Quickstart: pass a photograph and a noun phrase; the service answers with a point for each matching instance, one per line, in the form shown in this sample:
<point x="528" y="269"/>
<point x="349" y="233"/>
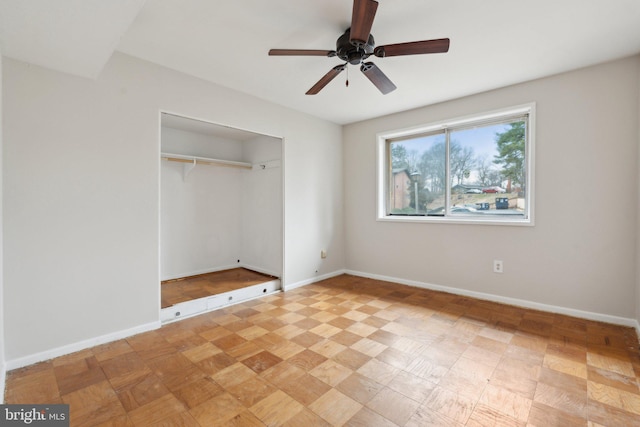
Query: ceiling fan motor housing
<point x="351" y="53"/>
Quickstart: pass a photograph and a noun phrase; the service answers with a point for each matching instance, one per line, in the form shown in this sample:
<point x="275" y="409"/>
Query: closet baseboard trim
<point x="259" y="270"/>
<point x="78" y="346"/>
<point x="199" y="272"/>
<point x="312" y="280"/>
<point x="223" y="268"/>
<point x="598" y="317"/>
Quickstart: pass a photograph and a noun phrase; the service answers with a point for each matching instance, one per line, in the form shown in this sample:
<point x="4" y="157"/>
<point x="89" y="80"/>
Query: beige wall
<point x="581" y="253"/>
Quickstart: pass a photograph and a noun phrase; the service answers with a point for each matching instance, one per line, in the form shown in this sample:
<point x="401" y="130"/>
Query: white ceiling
<point x="73" y="36"/>
<point x="494" y="43"/>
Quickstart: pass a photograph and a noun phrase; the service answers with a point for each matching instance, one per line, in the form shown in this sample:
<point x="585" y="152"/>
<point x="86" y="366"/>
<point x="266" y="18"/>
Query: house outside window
<point x="475" y="169"/>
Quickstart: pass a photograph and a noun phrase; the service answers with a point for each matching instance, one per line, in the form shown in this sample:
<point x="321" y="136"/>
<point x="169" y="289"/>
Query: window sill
<point x="493" y="220"/>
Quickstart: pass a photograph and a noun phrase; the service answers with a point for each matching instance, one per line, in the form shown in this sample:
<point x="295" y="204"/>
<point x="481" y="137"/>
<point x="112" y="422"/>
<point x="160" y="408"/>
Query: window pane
<point x="418" y="178"/>
<point x="487" y="170"/>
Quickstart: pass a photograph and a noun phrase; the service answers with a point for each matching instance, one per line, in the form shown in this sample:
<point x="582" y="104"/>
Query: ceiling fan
<point x="357" y="44"/>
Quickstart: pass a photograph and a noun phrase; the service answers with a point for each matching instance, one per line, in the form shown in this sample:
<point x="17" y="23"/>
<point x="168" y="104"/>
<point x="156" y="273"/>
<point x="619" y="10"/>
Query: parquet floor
<point x="352" y="351"/>
<point x="204" y="285"/>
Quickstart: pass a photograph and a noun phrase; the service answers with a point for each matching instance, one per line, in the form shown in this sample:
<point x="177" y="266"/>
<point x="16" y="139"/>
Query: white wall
<point x="261" y="212"/>
<point x="2" y="353"/>
<point x="581" y="253"/>
<point x="200" y="215"/>
<point x="82" y="178"/>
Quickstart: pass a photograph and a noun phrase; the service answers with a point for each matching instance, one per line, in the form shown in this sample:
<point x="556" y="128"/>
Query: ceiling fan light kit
<point x="357" y="44"/>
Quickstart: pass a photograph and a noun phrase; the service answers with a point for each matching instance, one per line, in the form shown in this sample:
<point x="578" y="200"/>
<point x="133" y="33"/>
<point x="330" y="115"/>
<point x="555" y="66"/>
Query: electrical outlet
<point x="323" y="254"/>
<point x="498" y="266"/>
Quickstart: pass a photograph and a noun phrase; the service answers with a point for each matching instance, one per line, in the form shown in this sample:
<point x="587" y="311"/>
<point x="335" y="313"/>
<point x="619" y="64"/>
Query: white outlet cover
<point x="498" y="266"/>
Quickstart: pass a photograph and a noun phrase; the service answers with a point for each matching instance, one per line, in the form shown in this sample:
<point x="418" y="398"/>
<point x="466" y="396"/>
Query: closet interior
<point x="221" y="216"/>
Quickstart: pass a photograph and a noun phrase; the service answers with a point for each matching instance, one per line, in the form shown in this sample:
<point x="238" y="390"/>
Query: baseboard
<point x="312" y="280"/>
<point x="215" y="269"/>
<point x="259" y="270"/>
<point x="78" y="346"/>
<point x="599" y="317"/>
<point x="637" y="326"/>
<point x="198" y="272"/>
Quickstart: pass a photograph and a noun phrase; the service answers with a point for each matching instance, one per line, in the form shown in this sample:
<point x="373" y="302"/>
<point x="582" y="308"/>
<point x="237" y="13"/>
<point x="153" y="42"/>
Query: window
<point x="476" y="169"/>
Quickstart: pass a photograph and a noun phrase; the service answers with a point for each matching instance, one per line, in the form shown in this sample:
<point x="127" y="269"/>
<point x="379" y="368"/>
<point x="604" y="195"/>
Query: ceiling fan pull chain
<point x="347" y="82"/>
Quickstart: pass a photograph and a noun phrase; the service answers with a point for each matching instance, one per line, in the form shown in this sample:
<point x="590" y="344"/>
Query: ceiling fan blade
<point x="326" y="79"/>
<point x="364" y="11"/>
<point x="377" y="77"/>
<point x="301" y="52"/>
<point x="413" y="48"/>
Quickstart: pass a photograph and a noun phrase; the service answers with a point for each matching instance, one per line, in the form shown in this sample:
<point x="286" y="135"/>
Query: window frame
<point x="384" y="167"/>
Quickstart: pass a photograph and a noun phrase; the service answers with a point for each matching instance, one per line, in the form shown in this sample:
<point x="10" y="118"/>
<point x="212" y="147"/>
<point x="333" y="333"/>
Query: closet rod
<point x="204" y="161"/>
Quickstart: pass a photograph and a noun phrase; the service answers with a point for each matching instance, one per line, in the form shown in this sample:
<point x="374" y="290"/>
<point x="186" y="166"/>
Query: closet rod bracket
<point x="187" y="168"/>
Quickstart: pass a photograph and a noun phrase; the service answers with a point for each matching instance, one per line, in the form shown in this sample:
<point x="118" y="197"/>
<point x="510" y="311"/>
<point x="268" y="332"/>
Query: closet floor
<point x="204" y="285"/>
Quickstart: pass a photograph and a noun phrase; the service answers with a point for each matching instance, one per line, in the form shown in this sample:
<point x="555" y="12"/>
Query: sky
<point x="481" y="139"/>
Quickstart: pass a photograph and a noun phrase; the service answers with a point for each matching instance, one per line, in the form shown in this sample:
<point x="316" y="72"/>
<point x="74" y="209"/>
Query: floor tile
<point x="566" y="366"/>
<point x="37" y="387"/>
<point x="543" y="415"/>
<point x="450" y="404"/>
<point x="201" y="352"/>
<point x="393" y="406"/>
<point x="360" y="388"/>
<point x="609" y="415"/>
<point x="367" y="418"/>
<point x="276" y="409"/>
<point x="331" y="372"/>
<point x="175" y="370"/>
<point x="251" y="391"/>
<point x="484" y="416"/>
<point x="218" y="410"/>
<point x="261" y="361"/>
<point x="306" y="417"/>
<point x="411" y="386"/>
<point x="427" y="369"/>
<point x="306" y="389"/>
<point x="564" y="400"/>
<point x="335" y="407"/>
<point x="216" y="363"/>
<point x="327" y="348"/>
<point x="507" y="403"/>
<point x="427" y="417"/>
<point x="93" y="405"/>
<point x="144" y="390"/>
<point x="612" y="379"/>
<point x="110" y="350"/>
<point x="232" y="375"/>
<point x="629" y="402"/>
<point x="195" y="393"/>
<point x="157" y="411"/>
<point x="306" y="359"/>
<point x="351" y="358"/>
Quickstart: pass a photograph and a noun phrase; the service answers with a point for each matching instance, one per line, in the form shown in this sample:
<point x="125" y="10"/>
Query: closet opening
<point x="221" y="216"/>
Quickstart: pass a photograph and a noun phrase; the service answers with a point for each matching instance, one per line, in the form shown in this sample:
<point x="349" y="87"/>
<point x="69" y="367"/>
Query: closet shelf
<point x="195" y="160"/>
